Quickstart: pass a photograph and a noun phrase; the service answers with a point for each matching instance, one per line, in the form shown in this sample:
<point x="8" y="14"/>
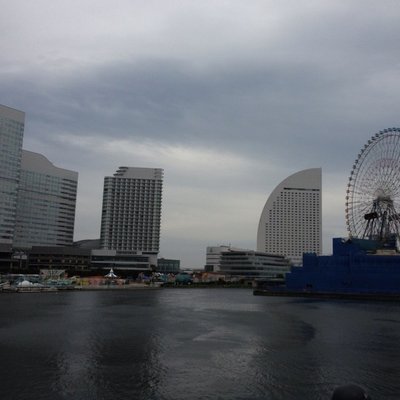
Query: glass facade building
<point x="46" y="203"/>
<point x="168" y="266"/>
<point x="131" y="213"/>
<point x="12" y="124"/>
<point x="122" y="264"/>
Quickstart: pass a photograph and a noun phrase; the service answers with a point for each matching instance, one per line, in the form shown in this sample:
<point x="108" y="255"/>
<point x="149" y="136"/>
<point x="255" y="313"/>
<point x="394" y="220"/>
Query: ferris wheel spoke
<point x="394" y="175"/>
<point x="374" y="187"/>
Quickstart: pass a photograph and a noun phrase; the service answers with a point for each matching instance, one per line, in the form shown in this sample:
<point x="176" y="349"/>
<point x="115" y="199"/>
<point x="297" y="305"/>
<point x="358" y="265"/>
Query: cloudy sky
<point x="229" y="97"/>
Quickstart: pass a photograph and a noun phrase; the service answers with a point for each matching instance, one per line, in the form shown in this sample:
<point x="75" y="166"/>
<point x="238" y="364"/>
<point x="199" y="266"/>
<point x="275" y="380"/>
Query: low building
<point x="253" y="265"/>
<point x="75" y="261"/>
<point x="213" y="257"/>
<point x="6" y="260"/>
<point x="71" y="259"/>
<point x="168" y="266"/>
<point x="121" y="263"/>
<point x="91" y="244"/>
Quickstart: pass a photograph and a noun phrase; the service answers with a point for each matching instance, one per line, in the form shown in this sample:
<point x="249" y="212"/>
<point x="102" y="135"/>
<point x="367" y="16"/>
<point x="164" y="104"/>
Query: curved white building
<point x="290" y="223"/>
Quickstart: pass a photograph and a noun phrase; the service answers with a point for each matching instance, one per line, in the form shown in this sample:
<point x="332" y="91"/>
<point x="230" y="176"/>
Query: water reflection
<point x="77" y="373"/>
<point x="237" y="349"/>
<point x="110" y="348"/>
<point x="193" y="344"/>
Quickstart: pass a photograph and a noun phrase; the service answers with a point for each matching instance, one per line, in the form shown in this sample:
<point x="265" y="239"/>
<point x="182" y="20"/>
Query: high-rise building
<point x="131" y="215"/>
<point x="11" y="135"/>
<point x="46" y="203"/>
<point x="290" y="222"/>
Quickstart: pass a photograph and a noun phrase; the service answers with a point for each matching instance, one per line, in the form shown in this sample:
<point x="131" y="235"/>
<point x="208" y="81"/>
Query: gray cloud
<point x="260" y="90"/>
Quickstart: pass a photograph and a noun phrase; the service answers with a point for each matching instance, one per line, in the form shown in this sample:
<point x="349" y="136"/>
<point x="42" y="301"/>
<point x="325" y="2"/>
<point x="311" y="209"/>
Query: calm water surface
<point x="194" y="344"/>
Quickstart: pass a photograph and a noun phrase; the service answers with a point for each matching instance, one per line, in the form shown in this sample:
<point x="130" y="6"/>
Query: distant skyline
<point x="228" y="97"/>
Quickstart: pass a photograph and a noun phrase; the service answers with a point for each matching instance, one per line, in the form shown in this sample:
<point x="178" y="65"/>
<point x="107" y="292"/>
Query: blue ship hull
<point x="354" y="268"/>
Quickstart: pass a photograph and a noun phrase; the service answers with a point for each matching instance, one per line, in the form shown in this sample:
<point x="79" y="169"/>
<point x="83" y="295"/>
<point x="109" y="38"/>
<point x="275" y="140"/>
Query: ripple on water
<point x="193" y="344"/>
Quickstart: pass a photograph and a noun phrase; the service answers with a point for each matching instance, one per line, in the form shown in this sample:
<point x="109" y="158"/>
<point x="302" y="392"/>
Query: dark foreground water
<point x="194" y="344"/>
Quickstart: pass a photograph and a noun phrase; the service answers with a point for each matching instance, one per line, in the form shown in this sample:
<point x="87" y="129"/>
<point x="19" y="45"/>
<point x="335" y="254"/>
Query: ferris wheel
<point x="373" y="191"/>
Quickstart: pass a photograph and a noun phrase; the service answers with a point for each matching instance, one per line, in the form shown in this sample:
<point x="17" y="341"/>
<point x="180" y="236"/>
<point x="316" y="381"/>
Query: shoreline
<point x="137" y="286"/>
<point x="111" y="287"/>
<point x="329" y="295"/>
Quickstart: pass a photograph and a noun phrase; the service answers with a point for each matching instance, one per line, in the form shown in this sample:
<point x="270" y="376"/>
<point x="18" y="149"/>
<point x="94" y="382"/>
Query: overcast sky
<point x="229" y="97"/>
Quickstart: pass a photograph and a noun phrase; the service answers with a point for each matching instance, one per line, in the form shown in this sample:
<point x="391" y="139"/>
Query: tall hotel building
<point x="131" y="214"/>
<point x="46" y="203"/>
<point x="290" y="223"/>
<point x="11" y="135"/>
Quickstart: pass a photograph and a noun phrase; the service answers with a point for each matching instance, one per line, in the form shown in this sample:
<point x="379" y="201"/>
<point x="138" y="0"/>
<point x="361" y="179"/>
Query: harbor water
<point x="177" y="344"/>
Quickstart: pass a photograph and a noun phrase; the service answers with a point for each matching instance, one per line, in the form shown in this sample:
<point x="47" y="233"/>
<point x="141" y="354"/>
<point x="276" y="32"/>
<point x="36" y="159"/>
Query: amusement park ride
<point x="367" y="263"/>
<point x="373" y="191"/>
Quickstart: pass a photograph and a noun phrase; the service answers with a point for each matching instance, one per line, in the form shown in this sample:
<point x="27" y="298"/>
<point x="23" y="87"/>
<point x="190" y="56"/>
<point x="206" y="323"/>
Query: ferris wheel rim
<point x="373" y="176"/>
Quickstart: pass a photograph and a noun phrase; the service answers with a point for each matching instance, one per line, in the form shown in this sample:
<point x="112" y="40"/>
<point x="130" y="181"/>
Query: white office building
<point x="12" y="124"/>
<point x="290" y="223"/>
<point x="253" y="265"/>
<point x="213" y="257"/>
<point x="131" y="214"/>
<point x="46" y="203"/>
